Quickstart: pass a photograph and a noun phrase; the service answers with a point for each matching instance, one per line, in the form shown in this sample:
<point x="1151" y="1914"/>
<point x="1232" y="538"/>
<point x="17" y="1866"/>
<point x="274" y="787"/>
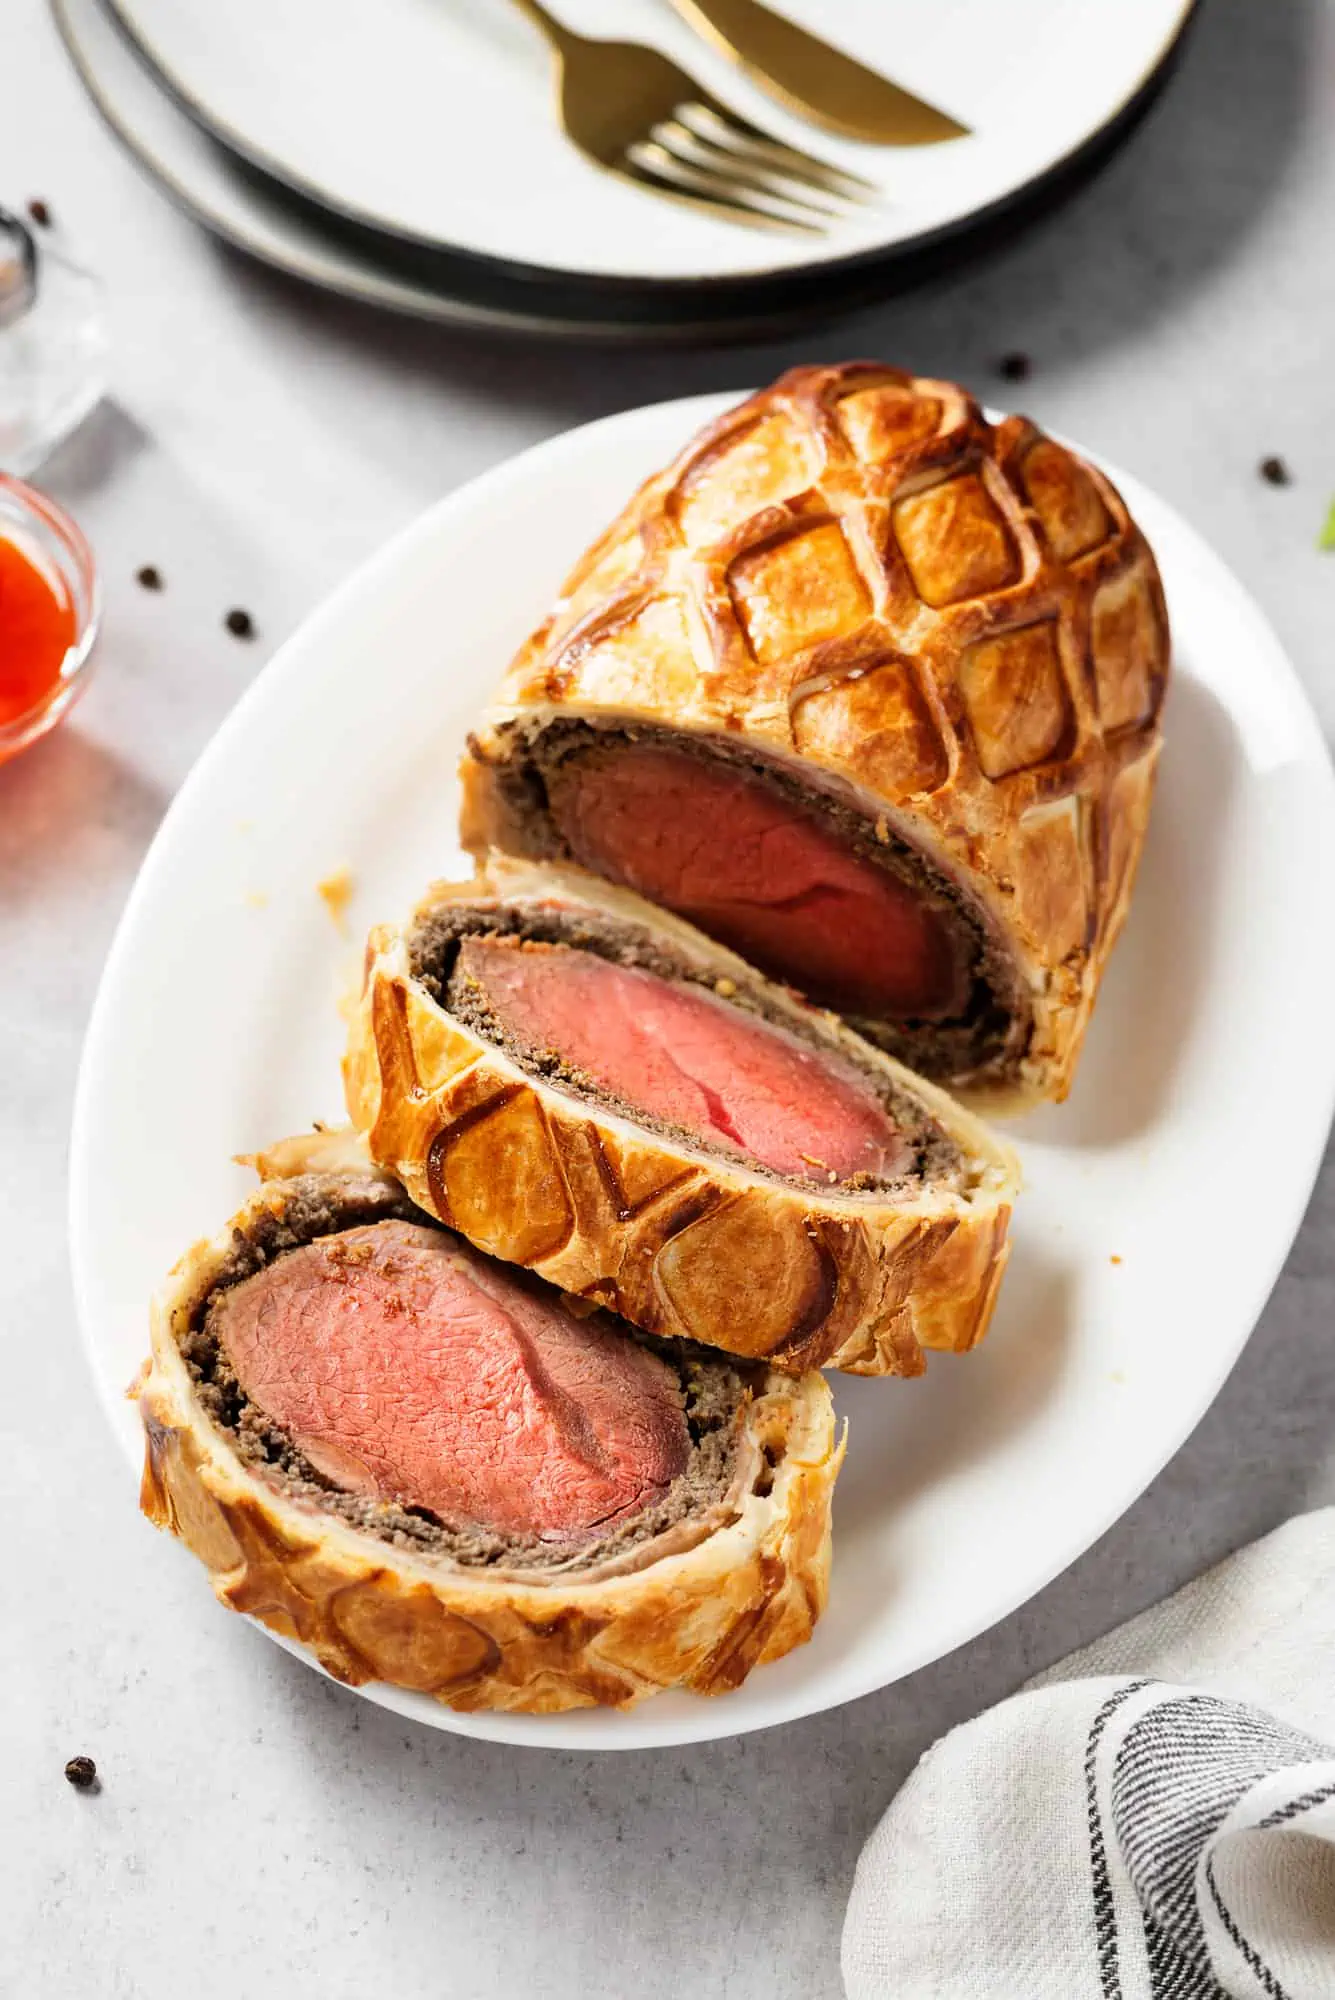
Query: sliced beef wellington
<point x="436" y="1471"/>
<point x="868" y="688"/>
<point x="587" y="1086"/>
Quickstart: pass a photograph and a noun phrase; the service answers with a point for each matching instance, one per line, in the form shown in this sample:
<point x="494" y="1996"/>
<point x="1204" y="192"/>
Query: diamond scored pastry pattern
<point x="767" y="461"/>
<point x="832" y="541"/>
<point x="879" y="422"/>
<point x="1016" y="696"/>
<point x="1126" y="644"/>
<point x="880" y="714"/>
<point x="797" y="592"/>
<point x="1065" y="499"/>
<point x="955" y="541"/>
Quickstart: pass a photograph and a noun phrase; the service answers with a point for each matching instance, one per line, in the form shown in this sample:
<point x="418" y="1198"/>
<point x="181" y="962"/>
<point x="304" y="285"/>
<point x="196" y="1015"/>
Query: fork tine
<point x="719" y="126"/>
<point x="685" y="145"/>
<point x="649" y="158"/>
<point x="736" y="137"/>
<point x="651" y="163"/>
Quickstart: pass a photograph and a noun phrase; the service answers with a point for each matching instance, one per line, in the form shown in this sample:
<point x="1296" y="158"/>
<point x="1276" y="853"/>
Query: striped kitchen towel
<point x="1154" y="1819"/>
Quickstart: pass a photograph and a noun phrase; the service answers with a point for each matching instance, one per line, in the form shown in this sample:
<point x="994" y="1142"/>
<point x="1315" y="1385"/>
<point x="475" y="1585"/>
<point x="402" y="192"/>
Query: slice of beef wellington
<point x="584" y="1085"/>
<point x="437" y="1471"/>
<point x="868" y="688"/>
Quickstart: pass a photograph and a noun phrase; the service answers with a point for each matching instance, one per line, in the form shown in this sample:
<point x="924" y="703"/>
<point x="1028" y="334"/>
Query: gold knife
<point x="816" y="80"/>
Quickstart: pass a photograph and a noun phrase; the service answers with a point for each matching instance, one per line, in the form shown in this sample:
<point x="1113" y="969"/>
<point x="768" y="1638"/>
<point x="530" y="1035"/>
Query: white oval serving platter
<point x="1146" y="1241"/>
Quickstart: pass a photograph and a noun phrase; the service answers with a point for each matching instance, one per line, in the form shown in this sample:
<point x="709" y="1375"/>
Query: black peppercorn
<point x="40" y="214"/>
<point x="1015" y="367"/>
<point x="149" y="577"/>
<point x="240" y="624"/>
<point x="1275" y="472"/>
<point x="82" y="1773"/>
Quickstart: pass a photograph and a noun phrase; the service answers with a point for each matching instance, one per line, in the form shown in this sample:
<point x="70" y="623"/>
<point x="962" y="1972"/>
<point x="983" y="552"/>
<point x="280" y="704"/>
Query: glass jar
<point x="53" y="346"/>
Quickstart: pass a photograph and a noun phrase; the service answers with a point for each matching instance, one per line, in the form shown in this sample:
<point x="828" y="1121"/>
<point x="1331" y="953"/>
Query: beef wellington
<point x="437" y="1471"/>
<point x="868" y="688"/>
<point x="587" y="1086"/>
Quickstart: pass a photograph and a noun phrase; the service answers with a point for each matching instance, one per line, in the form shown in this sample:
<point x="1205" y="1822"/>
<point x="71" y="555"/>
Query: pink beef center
<point x="410" y="1369"/>
<point x="686" y="1058"/>
<point x="725" y="849"/>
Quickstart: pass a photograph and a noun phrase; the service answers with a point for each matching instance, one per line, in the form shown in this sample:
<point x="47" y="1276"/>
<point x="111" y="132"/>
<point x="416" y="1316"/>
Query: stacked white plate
<point x="409" y="155"/>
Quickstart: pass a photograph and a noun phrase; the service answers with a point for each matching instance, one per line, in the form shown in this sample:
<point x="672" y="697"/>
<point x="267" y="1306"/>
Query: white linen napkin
<point x="1154" y="1819"/>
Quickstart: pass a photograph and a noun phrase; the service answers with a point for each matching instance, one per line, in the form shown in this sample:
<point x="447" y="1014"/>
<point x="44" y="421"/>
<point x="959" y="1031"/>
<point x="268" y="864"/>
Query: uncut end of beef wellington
<point x="868" y="688"/>
<point x="438" y="1472"/>
<point x="585" y="1085"/>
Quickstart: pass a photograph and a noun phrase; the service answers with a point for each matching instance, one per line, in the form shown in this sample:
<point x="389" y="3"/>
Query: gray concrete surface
<point x="258" y="1827"/>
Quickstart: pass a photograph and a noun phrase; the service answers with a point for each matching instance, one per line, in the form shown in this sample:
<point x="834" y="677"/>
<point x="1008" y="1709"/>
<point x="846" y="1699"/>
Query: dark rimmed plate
<point x="302" y="237"/>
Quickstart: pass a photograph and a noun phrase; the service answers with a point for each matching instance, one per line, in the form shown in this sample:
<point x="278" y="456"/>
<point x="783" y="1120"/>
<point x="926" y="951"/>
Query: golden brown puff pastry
<point x="928" y="649"/>
<point x="730" y="1576"/>
<point x="540" y="1164"/>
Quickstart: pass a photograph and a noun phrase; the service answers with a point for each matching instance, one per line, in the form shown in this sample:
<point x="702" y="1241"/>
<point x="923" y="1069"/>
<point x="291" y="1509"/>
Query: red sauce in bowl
<point x="38" y="625"/>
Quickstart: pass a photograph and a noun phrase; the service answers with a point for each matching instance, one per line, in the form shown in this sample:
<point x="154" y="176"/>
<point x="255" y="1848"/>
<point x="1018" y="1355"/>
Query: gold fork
<point x="635" y="113"/>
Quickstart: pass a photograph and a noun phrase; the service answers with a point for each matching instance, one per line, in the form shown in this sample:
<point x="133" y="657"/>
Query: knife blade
<point x="817" y="80"/>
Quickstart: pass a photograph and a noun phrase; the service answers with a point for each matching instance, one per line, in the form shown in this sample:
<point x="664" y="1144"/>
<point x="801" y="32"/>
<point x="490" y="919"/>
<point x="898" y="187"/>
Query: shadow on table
<point x="61" y="803"/>
<point x="106" y="443"/>
<point x="1131" y="248"/>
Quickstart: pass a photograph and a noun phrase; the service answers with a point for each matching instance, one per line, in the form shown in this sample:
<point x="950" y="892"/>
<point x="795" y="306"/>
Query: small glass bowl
<point x="51" y="541"/>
